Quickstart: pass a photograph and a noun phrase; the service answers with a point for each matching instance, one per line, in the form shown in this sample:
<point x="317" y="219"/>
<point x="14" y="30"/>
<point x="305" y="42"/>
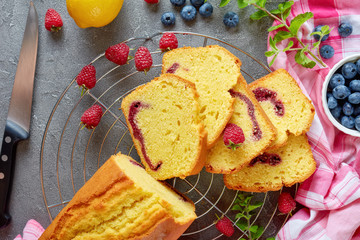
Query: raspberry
<point x="143" y="59"/>
<point x="91" y="117"/>
<point x="87" y="77"/>
<point x="233" y="136"/>
<point x="286" y="203"/>
<point x="151" y="1"/>
<point x="118" y="53"/>
<point x="53" y="21"/>
<point x="168" y="41"/>
<point x="224" y="225"/>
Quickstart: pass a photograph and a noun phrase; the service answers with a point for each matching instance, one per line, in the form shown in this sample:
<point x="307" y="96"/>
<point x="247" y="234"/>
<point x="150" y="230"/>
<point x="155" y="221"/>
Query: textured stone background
<point x="61" y="56"/>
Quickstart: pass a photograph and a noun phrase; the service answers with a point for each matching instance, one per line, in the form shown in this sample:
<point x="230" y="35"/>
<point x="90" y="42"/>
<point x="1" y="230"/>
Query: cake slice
<point x="258" y="131"/>
<point x="164" y="122"/>
<point x="122" y="201"/>
<point x="285" y="166"/>
<point x="288" y="108"/>
<point x="214" y="71"/>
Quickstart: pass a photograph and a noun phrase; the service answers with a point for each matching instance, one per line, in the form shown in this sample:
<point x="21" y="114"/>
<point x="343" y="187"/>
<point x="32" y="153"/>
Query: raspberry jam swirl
<point x="134" y="110"/>
<point x="267" y="158"/>
<point x="173" y="68"/>
<point x="257" y="133"/>
<point x="263" y="94"/>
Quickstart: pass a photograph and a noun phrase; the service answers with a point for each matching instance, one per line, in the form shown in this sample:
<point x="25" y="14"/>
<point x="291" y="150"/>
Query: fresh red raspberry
<point x="92" y="116"/>
<point x="143" y="59"/>
<point x="168" y="41"/>
<point x="53" y="21"/>
<point x="151" y="1"/>
<point x="87" y="77"/>
<point x="225" y="226"/>
<point x="118" y="53"/>
<point x="286" y="203"/>
<point x="233" y="136"/>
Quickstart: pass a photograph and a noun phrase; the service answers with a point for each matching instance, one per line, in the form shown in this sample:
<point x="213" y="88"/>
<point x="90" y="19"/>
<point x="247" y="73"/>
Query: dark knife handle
<point x="12" y="135"/>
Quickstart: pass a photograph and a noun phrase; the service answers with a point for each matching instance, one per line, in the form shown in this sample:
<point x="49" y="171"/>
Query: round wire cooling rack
<point x="69" y="156"/>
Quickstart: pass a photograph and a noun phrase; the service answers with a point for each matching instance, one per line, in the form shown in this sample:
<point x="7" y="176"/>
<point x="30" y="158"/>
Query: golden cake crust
<point x="188" y="53"/>
<point x="108" y="181"/>
<point x="198" y="161"/>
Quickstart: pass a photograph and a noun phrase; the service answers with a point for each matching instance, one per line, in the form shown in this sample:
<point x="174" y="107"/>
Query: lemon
<point x="93" y="13"/>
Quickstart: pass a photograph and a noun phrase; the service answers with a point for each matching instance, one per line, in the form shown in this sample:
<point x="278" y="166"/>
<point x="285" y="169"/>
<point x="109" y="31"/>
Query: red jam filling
<point x="263" y="94"/>
<point x="267" y="158"/>
<point x="136" y="163"/>
<point x="134" y="109"/>
<point x="257" y="133"/>
<point x="173" y="68"/>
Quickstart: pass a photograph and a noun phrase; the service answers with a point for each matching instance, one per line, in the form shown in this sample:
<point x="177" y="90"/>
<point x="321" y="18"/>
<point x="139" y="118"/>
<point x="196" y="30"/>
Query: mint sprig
<point x="245" y="211"/>
<point x="305" y="54"/>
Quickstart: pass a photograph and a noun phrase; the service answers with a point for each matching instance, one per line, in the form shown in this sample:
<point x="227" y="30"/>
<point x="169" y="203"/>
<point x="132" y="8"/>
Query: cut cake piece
<point x="288" y="108"/>
<point x="285" y="166"/>
<point x="257" y="128"/>
<point x="122" y="201"/>
<point x="215" y="71"/>
<point x="164" y="122"/>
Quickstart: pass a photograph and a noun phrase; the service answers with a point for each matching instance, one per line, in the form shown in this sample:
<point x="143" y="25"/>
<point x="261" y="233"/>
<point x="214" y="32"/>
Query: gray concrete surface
<point x="61" y="56"/>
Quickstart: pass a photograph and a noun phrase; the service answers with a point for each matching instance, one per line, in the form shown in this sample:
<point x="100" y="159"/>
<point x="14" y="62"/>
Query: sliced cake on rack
<point x="288" y="108"/>
<point x="258" y="132"/>
<point x="122" y="201"/>
<point x="164" y="121"/>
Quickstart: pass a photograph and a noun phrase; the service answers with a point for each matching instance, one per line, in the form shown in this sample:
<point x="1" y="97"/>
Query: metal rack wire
<point x="64" y="168"/>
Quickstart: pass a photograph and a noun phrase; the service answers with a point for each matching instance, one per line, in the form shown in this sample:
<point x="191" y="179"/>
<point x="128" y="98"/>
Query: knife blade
<point x="19" y="113"/>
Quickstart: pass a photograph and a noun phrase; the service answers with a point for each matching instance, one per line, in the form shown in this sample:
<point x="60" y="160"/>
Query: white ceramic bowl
<point x="337" y="124"/>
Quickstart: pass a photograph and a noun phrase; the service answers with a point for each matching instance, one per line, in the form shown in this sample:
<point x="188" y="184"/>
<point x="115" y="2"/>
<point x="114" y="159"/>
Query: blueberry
<point x="347" y="121"/>
<point x="327" y="51"/>
<point x="354" y="98"/>
<point x="348" y="109"/>
<point x="355" y="85"/>
<point x="206" y="10"/>
<point x="356" y="111"/>
<point x="178" y="3"/>
<point x="168" y="19"/>
<point x="345" y="29"/>
<point x="197" y="3"/>
<point x="231" y="19"/>
<point x="358" y="66"/>
<point x="336" y="80"/>
<point x="357" y="123"/>
<point x="317" y="36"/>
<point x="349" y="70"/>
<point x="336" y="112"/>
<point x="341" y="92"/>
<point x="332" y="102"/>
<point x="188" y="13"/>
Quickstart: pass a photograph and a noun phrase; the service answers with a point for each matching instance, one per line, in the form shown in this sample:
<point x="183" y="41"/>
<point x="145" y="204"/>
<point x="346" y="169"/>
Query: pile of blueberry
<point x="343" y="96"/>
<point x="188" y="12"/>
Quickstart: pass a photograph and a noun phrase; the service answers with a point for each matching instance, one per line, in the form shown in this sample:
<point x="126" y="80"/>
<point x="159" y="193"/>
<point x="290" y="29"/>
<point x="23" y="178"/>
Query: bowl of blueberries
<point x="341" y="95"/>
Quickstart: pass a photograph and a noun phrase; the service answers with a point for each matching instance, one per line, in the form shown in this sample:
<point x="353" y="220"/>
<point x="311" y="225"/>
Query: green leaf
<point x="255" y="206"/>
<point x="304" y="60"/>
<point x="275" y="27"/>
<point x="275" y="11"/>
<point x="272" y="44"/>
<point x="258" y="15"/>
<point x="269" y="53"/>
<point x="270" y="238"/>
<point x="282" y="35"/>
<point x="258" y="233"/>
<point x="325" y="29"/>
<point x="299" y="20"/>
<point x="313" y="33"/>
<point x="254" y="228"/>
<point x="286" y="5"/>
<point x="273" y="60"/>
<point x="224" y="3"/>
<point x="242" y="4"/>
<point x="242" y="225"/>
<point x="240" y="215"/>
<point x="290" y="44"/>
<point x="236" y="208"/>
<point x="316" y="44"/>
<point x="286" y="13"/>
<point x="261" y="3"/>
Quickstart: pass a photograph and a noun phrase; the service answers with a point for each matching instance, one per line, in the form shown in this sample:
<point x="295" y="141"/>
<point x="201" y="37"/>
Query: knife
<point x="19" y="114"/>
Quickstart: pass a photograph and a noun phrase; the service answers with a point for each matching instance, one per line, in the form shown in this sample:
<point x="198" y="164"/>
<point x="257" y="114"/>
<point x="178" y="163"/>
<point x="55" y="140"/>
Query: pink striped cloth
<point x="32" y="231"/>
<point x="332" y="194"/>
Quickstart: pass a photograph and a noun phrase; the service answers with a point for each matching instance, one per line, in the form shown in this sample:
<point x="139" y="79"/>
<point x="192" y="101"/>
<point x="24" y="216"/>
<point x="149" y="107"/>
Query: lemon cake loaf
<point x="164" y="122"/>
<point x="288" y="108"/>
<point x="215" y="71"/>
<point x="285" y="166"/>
<point x="257" y="128"/>
<point x="122" y="201"/>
